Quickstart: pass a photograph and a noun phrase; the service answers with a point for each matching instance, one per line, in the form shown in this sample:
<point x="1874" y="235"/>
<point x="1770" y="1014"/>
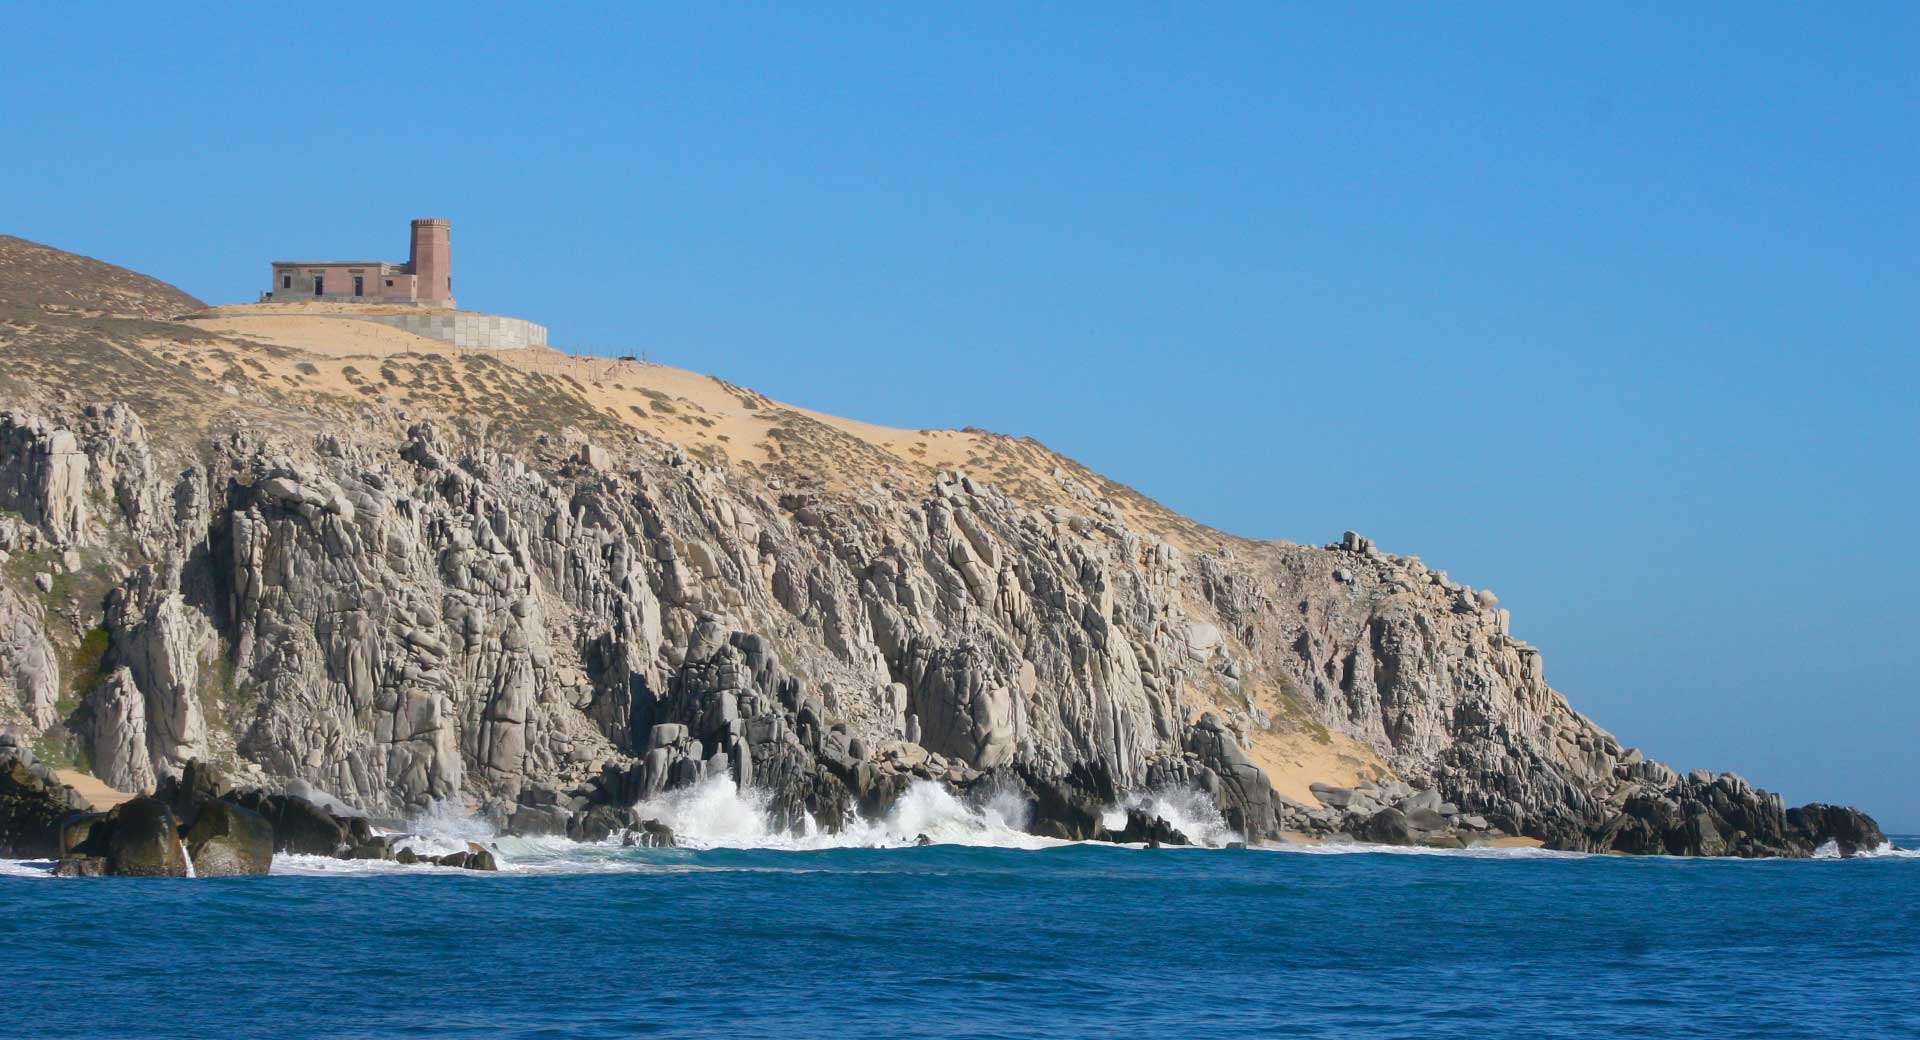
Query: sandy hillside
<point x="326" y="354"/>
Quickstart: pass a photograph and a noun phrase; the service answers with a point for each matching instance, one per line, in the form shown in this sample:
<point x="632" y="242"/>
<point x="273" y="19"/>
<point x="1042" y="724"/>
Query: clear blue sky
<point x="1613" y="311"/>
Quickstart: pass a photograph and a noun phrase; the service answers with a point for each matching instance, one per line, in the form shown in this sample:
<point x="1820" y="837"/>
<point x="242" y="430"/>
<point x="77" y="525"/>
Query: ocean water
<point x="989" y="933"/>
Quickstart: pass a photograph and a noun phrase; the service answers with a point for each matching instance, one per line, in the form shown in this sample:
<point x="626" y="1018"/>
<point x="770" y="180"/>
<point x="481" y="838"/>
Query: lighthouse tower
<point x="431" y="261"/>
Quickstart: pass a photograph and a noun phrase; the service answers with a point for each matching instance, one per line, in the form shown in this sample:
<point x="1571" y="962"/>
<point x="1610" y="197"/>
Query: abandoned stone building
<point x="425" y="279"/>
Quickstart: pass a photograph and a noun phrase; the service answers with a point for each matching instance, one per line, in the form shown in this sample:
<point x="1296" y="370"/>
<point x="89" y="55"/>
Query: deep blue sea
<point x="958" y="941"/>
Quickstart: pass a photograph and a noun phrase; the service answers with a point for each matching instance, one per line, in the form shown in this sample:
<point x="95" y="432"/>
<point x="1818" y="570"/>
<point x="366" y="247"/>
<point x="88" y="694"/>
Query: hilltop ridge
<point x="34" y="277"/>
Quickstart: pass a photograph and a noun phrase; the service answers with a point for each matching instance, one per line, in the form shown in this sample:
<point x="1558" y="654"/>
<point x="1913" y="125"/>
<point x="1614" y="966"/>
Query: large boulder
<point x="601" y="822"/>
<point x="198" y="784"/>
<point x="1386" y="827"/>
<point x="1144" y="828"/>
<point x="650" y="834"/>
<point x="1239" y="787"/>
<point x="533" y="821"/>
<point x="32" y="804"/>
<point x="229" y="841"/>
<point x="143" y="840"/>
<point x="1070" y="807"/>
<point x="476" y="857"/>
<point x="299" y="826"/>
<point x="1849" y="829"/>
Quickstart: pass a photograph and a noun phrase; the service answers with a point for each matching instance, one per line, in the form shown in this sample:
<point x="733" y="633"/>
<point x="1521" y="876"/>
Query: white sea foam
<point x="713" y="814"/>
<point x="26" y="868"/>
<point x="1354" y="848"/>
<point x="1189" y="811"/>
<point x="1887" y="851"/>
<point x="445" y="827"/>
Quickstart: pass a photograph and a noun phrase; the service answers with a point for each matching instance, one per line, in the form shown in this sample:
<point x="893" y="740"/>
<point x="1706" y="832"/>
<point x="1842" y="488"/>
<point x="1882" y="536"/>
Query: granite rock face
<point x="406" y="615"/>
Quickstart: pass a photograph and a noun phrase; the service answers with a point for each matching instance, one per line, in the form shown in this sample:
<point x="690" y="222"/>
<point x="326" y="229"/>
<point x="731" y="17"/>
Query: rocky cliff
<point x="409" y="574"/>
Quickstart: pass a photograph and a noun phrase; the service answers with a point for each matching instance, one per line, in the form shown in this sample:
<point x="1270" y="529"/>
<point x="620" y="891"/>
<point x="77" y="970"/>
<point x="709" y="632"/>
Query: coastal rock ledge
<point x="545" y="594"/>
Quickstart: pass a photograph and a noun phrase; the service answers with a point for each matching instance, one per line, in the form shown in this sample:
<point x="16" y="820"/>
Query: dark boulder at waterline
<point x="32" y="804"/>
<point x="1144" y="828"/>
<point x="226" y="840"/>
<point x="477" y="857"/>
<point x="1850" y="830"/>
<point x="601" y="822"/>
<point x="198" y="784"/>
<point x="651" y="834"/>
<point x="1703" y="814"/>
<point x="143" y="840"/>
<point x="299" y="826"/>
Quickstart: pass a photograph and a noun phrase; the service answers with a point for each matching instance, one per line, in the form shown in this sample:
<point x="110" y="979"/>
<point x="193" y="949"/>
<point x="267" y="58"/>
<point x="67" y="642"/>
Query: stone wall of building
<point x="464" y="329"/>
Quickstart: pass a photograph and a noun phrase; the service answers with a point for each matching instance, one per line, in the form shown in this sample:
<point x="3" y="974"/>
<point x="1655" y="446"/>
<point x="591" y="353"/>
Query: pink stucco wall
<point x="425" y="279"/>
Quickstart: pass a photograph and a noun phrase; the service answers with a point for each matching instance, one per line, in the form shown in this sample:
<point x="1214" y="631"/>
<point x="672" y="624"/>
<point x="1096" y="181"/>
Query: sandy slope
<point x="710" y="418"/>
<point x="90" y="787"/>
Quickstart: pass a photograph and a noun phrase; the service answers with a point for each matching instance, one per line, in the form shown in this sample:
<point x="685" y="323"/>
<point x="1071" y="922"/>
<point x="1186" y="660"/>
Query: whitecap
<point x="1887" y="851"/>
<point x="26" y="868"/>
<point x="1187" y="809"/>
<point x="1352" y="848"/>
<point x="714" y="814"/>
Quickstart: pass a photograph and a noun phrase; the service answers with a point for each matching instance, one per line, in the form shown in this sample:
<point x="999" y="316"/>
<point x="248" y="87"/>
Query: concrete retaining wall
<point x="465" y="330"/>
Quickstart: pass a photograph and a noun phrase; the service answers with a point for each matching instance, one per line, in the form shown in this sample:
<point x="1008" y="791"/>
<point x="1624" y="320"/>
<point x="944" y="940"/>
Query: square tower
<point x="431" y="261"/>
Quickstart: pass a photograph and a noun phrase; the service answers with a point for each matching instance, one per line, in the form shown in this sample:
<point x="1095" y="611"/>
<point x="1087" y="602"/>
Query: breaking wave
<point x="1887" y="851"/>
<point x="1188" y="810"/>
<point x="713" y="814"/>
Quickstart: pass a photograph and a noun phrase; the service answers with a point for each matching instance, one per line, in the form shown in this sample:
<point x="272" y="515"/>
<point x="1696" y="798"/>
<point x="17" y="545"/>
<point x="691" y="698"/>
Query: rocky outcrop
<point x="28" y="667"/>
<point x="44" y="477"/>
<point x="552" y="630"/>
<point x="33" y="802"/>
<point x="1144" y="828"/>
<point x="228" y="841"/>
<point x="138" y="838"/>
<point x="121" y="755"/>
<point x="1707" y="815"/>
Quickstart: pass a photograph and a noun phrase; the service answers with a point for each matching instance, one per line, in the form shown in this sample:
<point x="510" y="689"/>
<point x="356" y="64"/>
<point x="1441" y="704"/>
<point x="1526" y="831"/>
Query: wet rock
<point x="32" y="804"/>
<point x="533" y="821"/>
<point x="476" y="857"/>
<point x="1239" y="787"/>
<point x="375" y="850"/>
<point x="650" y="834"/>
<point x="80" y="866"/>
<point x="143" y="840"/>
<point x="1386" y="827"/>
<point x="198" y="785"/>
<point x="1144" y="828"/>
<point x="84" y="834"/>
<point x="226" y="840"/>
<point x="1851" y="830"/>
<point x="602" y="822"/>
<point x="1070" y="807"/>
<point x="299" y="826"/>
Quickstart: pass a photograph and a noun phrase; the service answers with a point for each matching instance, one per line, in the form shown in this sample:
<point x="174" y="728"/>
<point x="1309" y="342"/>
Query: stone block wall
<point x="463" y="329"/>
